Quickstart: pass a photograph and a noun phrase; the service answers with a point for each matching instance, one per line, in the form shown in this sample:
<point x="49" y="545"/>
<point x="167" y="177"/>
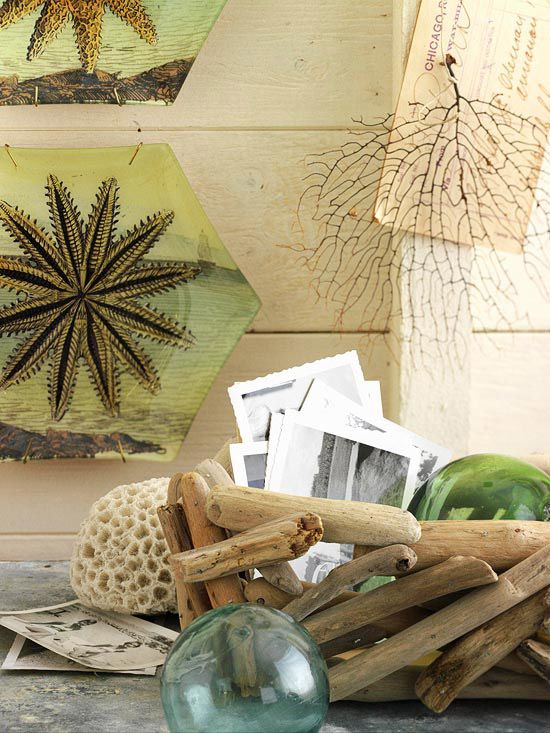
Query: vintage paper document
<point x="471" y="126"/>
<point x="95" y="639"/>
<point x="28" y="655"/>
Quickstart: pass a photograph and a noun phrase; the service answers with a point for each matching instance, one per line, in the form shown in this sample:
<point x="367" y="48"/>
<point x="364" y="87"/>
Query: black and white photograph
<point x="249" y="463"/>
<point x="256" y="400"/>
<point x="315" y="458"/>
<point x="372" y="398"/>
<point x="25" y="654"/>
<point x="96" y="639"/>
<point x="324" y="401"/>
<point x="275" y="427"/>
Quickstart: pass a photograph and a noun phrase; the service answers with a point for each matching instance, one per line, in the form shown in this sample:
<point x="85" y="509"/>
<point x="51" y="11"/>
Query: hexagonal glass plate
<point x="119" y="303"/>
<point x="100" y="51"/>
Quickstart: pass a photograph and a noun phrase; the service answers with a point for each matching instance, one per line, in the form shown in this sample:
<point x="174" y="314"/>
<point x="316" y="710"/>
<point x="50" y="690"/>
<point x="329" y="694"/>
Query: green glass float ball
<point x="245" y="669"/>
<point x="484" y="486"/>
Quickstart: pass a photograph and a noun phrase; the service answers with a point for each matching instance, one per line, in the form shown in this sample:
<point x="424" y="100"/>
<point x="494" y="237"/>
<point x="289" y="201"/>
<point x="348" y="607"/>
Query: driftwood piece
<point x="223" y="456"/>
<point x="283" y="539"/>
<point x="472" y="655"/>
<point x="501" y="543"/>
<point x="454" y="574"/>
<point x="213" y="473"/>
<point x="175" y="490"/>
<point x="261" y="591"/>
<point x="537" y="655"/>
<point x="371" y="633"/>
<point x="442" y="627"/>
<point x="194" y="493"/>
<point x="193" y="599"/>
<point x="384" y="561"/>
<point x="514" y="664"/>
<point x="281" y="575"/>
<point x="239" y="508"/>
<point x="494" y="684"/>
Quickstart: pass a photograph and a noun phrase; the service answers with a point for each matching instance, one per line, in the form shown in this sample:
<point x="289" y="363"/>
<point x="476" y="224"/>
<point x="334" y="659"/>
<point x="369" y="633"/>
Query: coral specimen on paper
<point x="396" y="204"/>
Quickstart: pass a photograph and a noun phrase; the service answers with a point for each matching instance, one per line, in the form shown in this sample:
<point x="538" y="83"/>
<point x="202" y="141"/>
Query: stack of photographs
<point x="319" y="430"/>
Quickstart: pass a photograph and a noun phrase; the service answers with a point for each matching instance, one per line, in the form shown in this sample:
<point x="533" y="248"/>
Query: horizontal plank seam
<point x="519" y="331"/>
<point x="138" y="129"/>
<point x="318" y="333"/>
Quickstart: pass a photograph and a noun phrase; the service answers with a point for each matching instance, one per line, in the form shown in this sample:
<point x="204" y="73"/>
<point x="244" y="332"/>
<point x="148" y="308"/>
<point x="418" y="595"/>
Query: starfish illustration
<point x="82" y="290"/>
<point x="87" y="18"/>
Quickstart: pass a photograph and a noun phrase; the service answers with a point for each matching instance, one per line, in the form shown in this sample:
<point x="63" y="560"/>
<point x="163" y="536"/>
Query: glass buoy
<point x="244" y="669"/>
<point x="484" y="486"/>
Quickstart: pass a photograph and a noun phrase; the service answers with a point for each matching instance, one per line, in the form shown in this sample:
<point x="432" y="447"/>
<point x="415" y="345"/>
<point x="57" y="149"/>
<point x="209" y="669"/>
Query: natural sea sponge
<point x="120" y="559"/>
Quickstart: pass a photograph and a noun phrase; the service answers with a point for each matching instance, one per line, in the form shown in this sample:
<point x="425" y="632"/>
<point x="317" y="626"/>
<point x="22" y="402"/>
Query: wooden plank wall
<point x="276" y="82"/>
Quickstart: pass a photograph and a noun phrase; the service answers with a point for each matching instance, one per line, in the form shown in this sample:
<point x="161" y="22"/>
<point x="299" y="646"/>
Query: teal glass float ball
<point x="484" y="486"/>
<point x="245" y="669"/>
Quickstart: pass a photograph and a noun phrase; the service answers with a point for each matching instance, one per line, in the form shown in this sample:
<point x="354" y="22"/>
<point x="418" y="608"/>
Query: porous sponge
<point x="120" y="559"/>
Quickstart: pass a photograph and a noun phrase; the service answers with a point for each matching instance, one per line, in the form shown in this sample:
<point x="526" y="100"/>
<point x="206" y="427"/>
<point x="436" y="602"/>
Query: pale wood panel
<point x="523" y="303"/>
<point x="53" y="496"/>
<point x="523" y="291"/>
<point x="250" y="185"/>
<point x="510" y="393"/>
<point x="268" y="64"/>
<point x="17" y="547"/>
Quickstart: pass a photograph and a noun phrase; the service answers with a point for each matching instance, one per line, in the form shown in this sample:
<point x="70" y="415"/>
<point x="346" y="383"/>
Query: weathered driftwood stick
<point x="442" y="627"/>
<point x="223" y="456"/>
<point x="367" y="608"/>
<point x="174" y="489"/>
<point x="240" y="508"/>
<point x="193" y="599"/>
<point x="441" y="682"/>
<point x="213" y="473"/>
<point x="281" y="575"/>
<point x="537" y="655"/>
<point x="384" y="561"/>
<point x="494" y="684"/>
<point x="514" y="664"/>
<point x="371" y="633"/>
<point x="261" y="591"/>
<point x="194" y="493"/>
<point x="500" y="543"/>
<point x="282" y="539"/>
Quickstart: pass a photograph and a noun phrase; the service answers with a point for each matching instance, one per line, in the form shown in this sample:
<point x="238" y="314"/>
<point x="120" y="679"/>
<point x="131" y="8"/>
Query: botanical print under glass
<point x="103" y="51"/>
<point x="119" y="304"/>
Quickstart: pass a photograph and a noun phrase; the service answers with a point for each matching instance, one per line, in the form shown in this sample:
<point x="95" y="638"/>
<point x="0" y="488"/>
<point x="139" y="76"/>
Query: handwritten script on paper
<point x="471" y="125"/>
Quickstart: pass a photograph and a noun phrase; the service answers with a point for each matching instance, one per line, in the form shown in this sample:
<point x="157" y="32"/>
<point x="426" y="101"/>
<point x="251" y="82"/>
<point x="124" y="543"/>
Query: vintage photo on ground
<point x="96" y="639"/>
<point x="316" y="457"/>
<point x="323" y="401"/>
<point x="249" y="462"/>
<point x="256" y="400"/>
<point x="25" y="654"/>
